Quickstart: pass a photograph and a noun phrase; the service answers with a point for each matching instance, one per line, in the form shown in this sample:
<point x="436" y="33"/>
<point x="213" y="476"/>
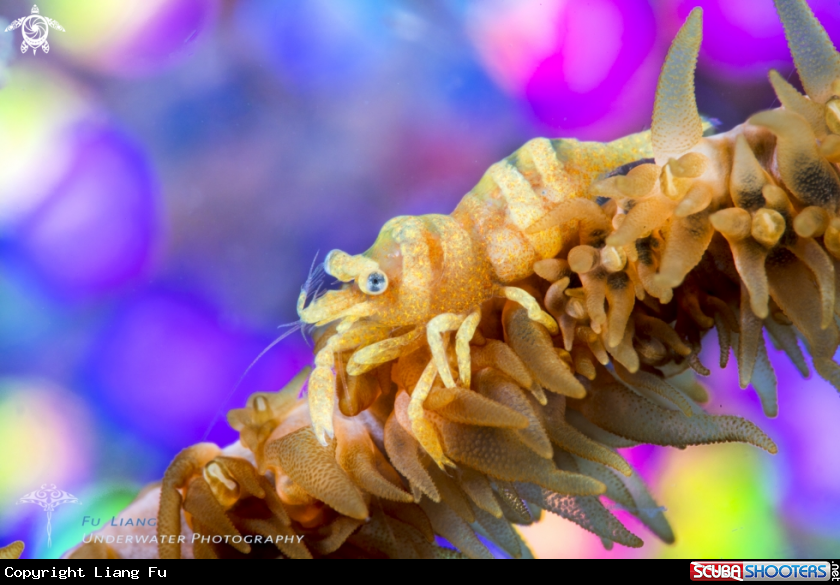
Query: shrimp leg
<point x="421" y="428"/>
<point x="383" y="351"/>
<point x="436" y="327"/>
<point x="462" y="345"/>
<point x="322" y="381"/>
<point x="529" y="303"/>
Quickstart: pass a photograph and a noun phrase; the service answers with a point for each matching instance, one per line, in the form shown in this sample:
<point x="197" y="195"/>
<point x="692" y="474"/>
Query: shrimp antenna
<point x="284" y="335"/>
<point x="314" y="278"/>
<point x="316" y="274"/>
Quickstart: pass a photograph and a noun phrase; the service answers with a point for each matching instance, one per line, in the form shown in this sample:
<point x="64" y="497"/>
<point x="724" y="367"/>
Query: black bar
<point x="153" y="569"/>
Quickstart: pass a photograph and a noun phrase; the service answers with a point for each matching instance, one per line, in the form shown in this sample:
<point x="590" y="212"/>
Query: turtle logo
<point x="35" y="31"/>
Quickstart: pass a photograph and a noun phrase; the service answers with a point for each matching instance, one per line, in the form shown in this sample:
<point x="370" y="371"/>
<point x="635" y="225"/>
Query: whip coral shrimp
<point x="430" y="275"/>
<point x="578" y="280"/>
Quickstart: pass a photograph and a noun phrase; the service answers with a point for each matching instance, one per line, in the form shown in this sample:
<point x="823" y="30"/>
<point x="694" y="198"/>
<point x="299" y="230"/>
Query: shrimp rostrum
<point x="582" y="256"/>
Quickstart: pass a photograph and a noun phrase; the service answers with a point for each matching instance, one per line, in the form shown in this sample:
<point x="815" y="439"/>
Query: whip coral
<point x="478" y="369"/>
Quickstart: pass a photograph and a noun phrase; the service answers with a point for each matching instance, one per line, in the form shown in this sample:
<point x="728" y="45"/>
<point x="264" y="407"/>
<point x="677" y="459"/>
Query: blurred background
<point x="170" y="168"/>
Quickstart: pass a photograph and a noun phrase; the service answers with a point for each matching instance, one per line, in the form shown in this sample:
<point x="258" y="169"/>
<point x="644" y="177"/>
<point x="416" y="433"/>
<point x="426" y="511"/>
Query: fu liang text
<point x="115" y="521"/>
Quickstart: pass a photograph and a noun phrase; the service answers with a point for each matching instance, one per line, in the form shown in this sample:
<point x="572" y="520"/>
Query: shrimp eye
<point x="375" y="283"/>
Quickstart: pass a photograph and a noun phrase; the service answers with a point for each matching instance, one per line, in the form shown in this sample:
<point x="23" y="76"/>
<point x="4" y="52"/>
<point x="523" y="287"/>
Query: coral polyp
<point x="480" y="368"/>
<point x="11" y="551"/>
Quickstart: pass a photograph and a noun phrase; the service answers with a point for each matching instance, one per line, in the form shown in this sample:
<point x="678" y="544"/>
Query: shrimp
<point x="769" y="187"/>
<point x="431" y="274"/>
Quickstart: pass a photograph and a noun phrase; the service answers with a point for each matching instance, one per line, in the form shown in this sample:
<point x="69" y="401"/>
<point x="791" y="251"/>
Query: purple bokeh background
<point x="96" y="229"/>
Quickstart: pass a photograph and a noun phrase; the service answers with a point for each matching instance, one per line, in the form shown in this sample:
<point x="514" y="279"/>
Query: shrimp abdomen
<point x="517" y="191"/>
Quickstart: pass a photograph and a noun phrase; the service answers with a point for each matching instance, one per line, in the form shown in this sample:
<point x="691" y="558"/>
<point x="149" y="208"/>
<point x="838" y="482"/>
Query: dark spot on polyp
<point x="597" y="238"/>
<point x="644" y="252"/>
<point x="618" y="280"/>
<point x="779" y="257"/>
<point x="814" y="184"/>
<point x="697" y="225"/>
<point x="749" y="200"/>
<point x="599" y="273"/>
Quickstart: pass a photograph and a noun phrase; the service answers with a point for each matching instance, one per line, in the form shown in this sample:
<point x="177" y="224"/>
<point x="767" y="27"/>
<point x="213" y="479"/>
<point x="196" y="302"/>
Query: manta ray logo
<point x="49" y="498"/>
<point x="35" y="30"/>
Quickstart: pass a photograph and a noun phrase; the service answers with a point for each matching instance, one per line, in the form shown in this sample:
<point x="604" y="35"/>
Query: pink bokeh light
<point x="582" y="68"/>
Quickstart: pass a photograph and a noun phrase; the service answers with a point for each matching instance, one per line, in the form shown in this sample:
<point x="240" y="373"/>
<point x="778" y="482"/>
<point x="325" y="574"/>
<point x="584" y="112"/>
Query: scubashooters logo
<point x="762" y="571"/>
